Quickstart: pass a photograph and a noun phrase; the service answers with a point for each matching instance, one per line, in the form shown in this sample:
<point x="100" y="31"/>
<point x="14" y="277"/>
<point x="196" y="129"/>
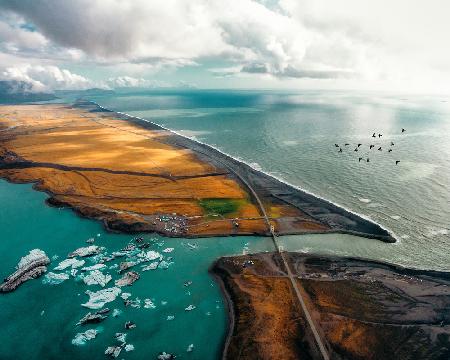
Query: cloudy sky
<point x="399" y="45"/>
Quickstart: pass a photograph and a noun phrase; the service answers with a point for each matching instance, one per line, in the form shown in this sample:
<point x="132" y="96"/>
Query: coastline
<point x="389" y="237"/>
<point x="301" y="212"/>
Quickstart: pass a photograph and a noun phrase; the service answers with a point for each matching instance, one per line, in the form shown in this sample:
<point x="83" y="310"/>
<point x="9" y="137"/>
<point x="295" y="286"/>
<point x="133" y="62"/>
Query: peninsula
<point x="136" y="176"/>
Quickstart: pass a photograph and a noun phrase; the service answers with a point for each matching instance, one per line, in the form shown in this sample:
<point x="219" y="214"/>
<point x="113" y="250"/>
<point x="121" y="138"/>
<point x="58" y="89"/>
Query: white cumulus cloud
<point x="46" y="78"/>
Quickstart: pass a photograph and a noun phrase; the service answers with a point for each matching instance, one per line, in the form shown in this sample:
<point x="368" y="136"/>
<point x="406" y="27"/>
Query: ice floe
<point x="93" y="267"/>
<point x="151" y="266"/>
<point x="190" y="308"/>
<point x="127" y="279"/>
<point x="170" y="317"/>
<point x="52" y="278"/>
<point x="363" y="200"/>
<point x="80" y="339"/>
<point x="99" y="298"/>
<point x="168" y="250"/>
<point x="96" y="277"/>
<point x="148" y="304"/>
<point x="129" y="347"/>
<point x="85" y="251"/>
<point x="72" y="262"/>
<point x="190" y="348"/>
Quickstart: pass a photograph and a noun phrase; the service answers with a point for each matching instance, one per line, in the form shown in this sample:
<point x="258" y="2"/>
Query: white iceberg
<point x="52" y="278"/>
<point x="151" y="266"/>
<point x="129" y="347"/>
<point x="168" y="250"/>
<point x="96" y="277"/>
<point x="93" y="267"/>
<point x="85" y="251"/>
<point x="80" y="339"/>
<point x="190" y="307"/>
<point x="35" y="254"/>
<point x="148" y="304"/>
<point x="149" y="255"/>
<point x="99" y="298"/>
<point x="73" y="263"/>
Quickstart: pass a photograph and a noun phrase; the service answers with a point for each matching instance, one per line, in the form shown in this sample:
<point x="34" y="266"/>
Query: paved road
<point x="320" y="344"/>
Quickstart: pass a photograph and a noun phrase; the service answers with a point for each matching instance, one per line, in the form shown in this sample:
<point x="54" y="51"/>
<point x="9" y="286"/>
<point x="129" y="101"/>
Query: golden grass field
<point x="110" y="169"/>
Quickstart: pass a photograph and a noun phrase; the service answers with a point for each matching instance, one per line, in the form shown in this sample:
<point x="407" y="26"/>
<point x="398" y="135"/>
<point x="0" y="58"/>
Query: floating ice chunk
<point x="73" y="263"/>
<point x="129" y="347"/>
<point x="163" y="302"/>
<point x="125" y="295"/>
<point x="190" y="307"/>
<point x="190" y="348"/>
<point x="99" y="298"/>
<point x="80" y="339"/>
<point x="55" y="257"/>
<point x="151" y="266"/>
<point x="96" y="277"/>
<point x="116" y="312"/>
<point x="127" y="279"/>
<point x="366" y="201"/>
<point x="170" y="317"/>
<point x="52" y="278"/>
<point x="168" y="250"/>
<point x="73" y="272"/>
<point x="395" y="217"/>
<point x="192" y="246"/>
<point x="149" y="255"/>
<point x="33" y="255"/>
<point x="165" y="356"/>
<point x="93" y="267"/>
<point x="85" y="251"/>
<point x="121" y="337"/>
<point x="164" y="265"/>
<point x="113" y="351"/>
<point x="148" y="304"/>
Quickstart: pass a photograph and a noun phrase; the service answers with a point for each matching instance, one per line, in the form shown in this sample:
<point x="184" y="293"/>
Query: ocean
<point x="290" y="135"/>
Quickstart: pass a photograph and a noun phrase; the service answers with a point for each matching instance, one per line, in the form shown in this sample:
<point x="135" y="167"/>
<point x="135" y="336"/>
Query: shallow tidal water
<point x="289" y="135"/>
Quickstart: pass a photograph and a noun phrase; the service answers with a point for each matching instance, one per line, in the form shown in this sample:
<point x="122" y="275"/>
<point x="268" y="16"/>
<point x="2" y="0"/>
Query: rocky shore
<point x="362" y="309"/>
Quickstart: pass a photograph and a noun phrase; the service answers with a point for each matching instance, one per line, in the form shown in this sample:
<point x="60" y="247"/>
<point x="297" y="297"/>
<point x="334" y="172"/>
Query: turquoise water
<point x="292" y="135"/>
<point x="38" y="321"/>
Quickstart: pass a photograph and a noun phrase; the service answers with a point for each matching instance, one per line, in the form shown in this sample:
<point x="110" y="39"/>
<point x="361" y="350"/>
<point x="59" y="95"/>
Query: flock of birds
<point x="371" y="146"/>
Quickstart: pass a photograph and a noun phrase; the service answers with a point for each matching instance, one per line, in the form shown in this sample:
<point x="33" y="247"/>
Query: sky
<point x="386" y="45"/>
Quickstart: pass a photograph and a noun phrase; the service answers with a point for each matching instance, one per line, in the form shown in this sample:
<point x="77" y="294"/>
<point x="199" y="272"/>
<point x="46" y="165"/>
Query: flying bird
<point x="403" y="130"/>
<point x="367" y="159"/>
<point x="397" y="162"/>
<point x="392" y="144"/>
<point x="336" y="145"/>
<point x="356" y="149"/>
<point x="374" y="135"/>
<point x="340" y="150"/>
<point x="371" y="146"/>
<point x="389" y="150"/>
<point x="359" y="145"/>
<point x="379" y="149"/>
<point x="359" y="160"/>
<point x="346" y="144"/>
<point x="380" y="135"/>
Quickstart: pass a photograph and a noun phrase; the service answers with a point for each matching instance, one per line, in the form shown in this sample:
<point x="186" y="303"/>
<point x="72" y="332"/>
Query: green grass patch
<point x="221" y="206"/>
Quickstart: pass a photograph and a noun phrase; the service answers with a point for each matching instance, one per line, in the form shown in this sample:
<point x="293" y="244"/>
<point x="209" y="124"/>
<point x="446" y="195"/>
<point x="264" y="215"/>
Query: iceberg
<point x="73" y="263"/>
<point x="151" y="266"/>
<point x="96" y="277"/>
<point x="129" y="347"/>
<point x="168" y="250"/>
<point x="148" y="304"/>
<point x="54" y="279"/>
<point x="127" y="279"/>
<point x="93" y="267"/>
<point x="190" y="307"/>
<point x="80" y="339"/>
<point x="29" y="267"/>
<point x="99" y="298"/>
<point x="85" y="251"/>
